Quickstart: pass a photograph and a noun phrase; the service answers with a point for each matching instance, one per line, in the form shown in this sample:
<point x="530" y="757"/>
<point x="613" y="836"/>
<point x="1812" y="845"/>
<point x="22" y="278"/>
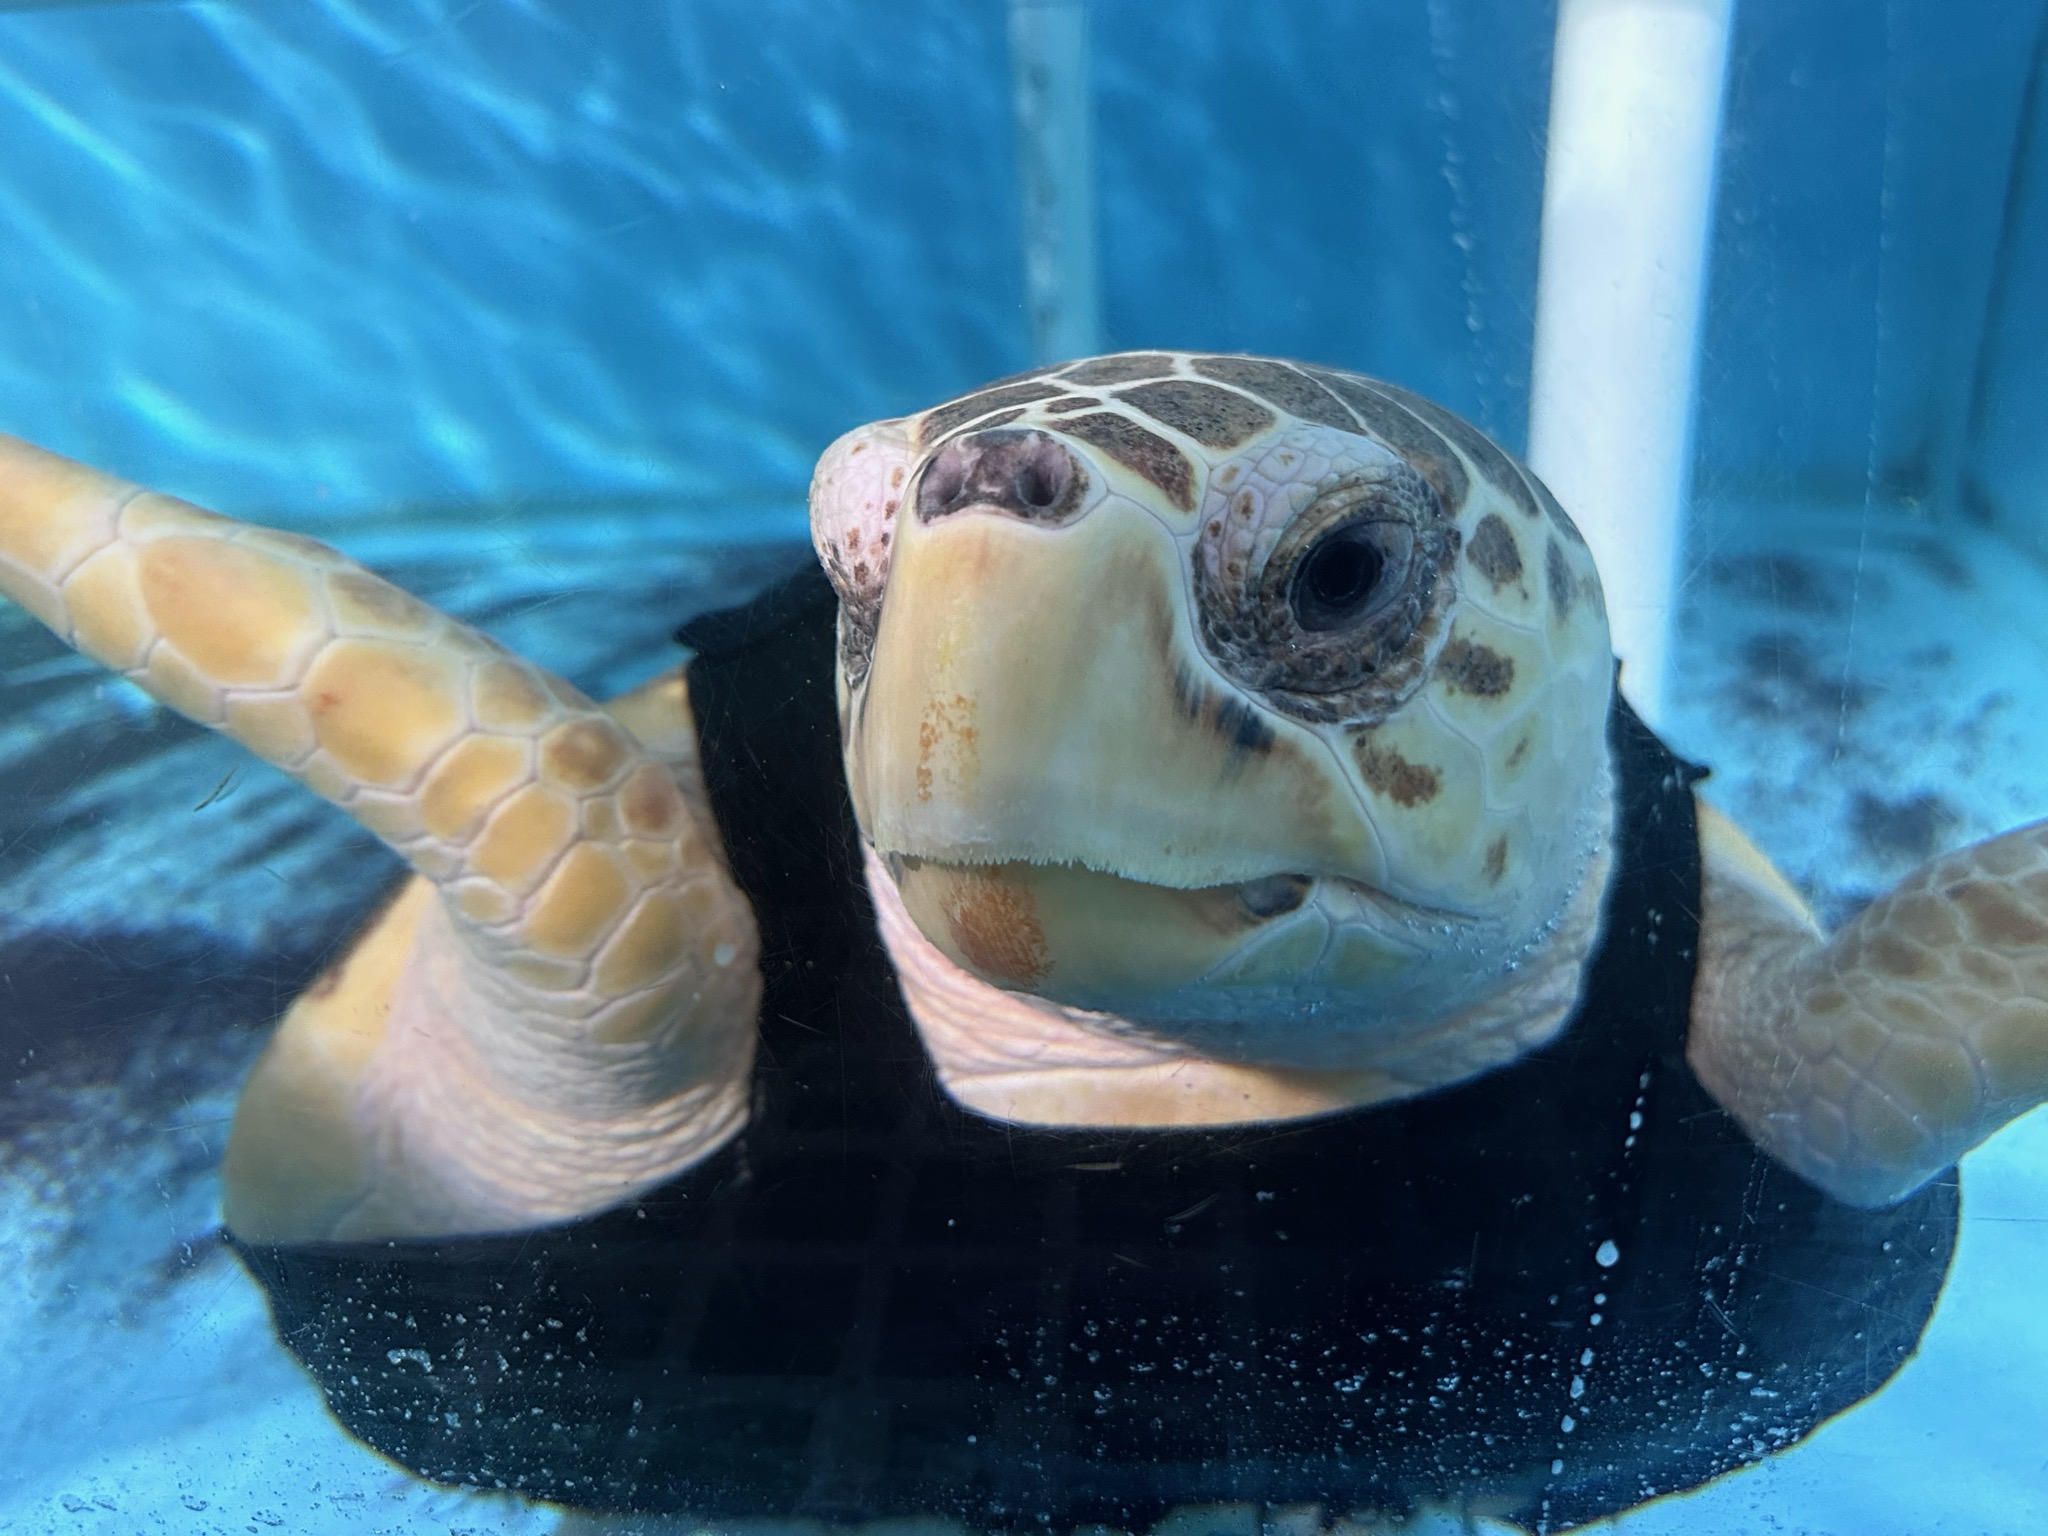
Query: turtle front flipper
<point x="570" y="1020"/>
<point x="1871" y="1061"/>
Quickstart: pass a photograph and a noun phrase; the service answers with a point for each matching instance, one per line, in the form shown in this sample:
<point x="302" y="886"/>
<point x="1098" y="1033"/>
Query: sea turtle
<point x="1327" y="1049"/>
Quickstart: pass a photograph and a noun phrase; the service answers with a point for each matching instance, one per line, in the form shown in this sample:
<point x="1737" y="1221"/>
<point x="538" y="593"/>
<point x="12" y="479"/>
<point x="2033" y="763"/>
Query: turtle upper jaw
<point x="1035" y="695"/>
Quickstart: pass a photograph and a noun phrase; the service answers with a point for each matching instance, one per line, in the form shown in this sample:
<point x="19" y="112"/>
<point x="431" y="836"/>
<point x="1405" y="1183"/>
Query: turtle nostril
<point x="1032" y="488"/>
<point x="944" y="482"/>
<point x="1042" y="476"/>
<point x="1022" y="472"/>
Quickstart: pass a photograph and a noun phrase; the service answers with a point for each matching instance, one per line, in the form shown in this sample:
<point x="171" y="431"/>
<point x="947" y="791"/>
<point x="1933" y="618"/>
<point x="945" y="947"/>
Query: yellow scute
<point x="240" y="617"/>
<point x="382" y="710"/>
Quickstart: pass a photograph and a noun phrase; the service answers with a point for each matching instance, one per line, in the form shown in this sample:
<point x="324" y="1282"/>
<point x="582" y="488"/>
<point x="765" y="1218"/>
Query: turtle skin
<point x="1544" y="1294"/>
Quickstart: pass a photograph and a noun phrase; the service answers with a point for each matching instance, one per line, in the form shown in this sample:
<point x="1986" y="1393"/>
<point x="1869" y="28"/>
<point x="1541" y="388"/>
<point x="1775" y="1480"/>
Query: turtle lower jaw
<point x="1255" y="901"/>
<point x="1100" y="939"/>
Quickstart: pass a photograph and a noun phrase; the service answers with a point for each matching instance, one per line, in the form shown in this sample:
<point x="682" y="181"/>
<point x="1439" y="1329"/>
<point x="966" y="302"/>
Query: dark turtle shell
<point x="1548" y="1293"/>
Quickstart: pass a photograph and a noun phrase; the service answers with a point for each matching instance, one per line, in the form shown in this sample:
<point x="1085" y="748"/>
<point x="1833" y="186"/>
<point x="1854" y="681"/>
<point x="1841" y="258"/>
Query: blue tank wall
<point x="1866" y="173"/>
<point x="2006" y="469"/>
<point x="362" y="251"/>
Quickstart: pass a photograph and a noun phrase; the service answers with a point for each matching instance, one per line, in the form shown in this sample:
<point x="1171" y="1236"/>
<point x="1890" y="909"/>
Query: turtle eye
<point x="1328" y="605"/>
<point x="1347" y="574"/>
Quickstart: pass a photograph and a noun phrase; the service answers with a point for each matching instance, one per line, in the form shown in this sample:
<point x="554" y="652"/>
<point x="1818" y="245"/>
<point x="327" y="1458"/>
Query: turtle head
<point x="1263" y="706"/>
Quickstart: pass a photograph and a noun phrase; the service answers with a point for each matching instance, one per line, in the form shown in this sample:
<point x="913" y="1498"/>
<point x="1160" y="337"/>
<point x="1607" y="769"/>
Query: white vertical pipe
<point x="1628" y="184"/>
<point x="1056" y="170"/>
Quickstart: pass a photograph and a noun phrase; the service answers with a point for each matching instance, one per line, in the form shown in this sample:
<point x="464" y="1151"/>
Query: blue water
<point x="340" y="254"/>
<point x="545" y="311"/>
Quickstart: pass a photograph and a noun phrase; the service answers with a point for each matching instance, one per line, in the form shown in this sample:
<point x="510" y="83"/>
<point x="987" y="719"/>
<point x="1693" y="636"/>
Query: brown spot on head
<point x="1475" y="669"/>
<point x="947" y="725"/>
<point x="1519" y="751"/>
<point x="1493" y="551"/>
<point x="1232" y="718"/>
<point x="1127" y="368"/>
<point x="942" y="419"/>
<point x="1214" y="417"/>
<point x="1388" y="773"/>
<point x="1144" y="453"/>
<point x="1496" y="859"/>
<point x="1386" y="415"/>
<point x="1277" y="384"/>
<point x="1557" y="575"/>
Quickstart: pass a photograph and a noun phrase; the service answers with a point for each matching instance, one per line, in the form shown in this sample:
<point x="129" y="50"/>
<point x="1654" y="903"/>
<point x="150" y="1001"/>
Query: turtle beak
<point x="1070" y="799"/>
<point x="1035" y="695"/>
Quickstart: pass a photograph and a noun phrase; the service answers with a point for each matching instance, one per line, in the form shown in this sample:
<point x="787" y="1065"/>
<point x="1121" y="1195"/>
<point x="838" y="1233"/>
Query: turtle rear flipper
<point x="1872" y="1060"/>
<point x="560" y="1013"/>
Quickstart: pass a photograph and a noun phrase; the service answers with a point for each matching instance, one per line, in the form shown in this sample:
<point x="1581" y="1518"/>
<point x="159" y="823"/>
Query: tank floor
<point x="1868" y="691"/>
